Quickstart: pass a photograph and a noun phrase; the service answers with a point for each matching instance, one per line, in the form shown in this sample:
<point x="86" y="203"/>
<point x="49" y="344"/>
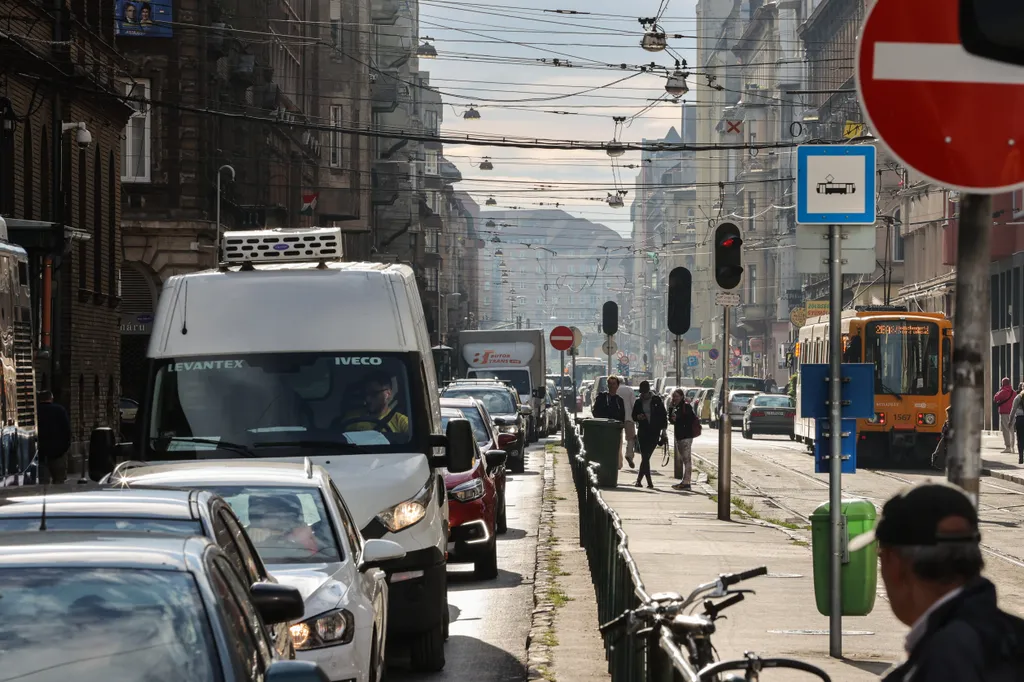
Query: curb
<point x="539" y="655"/>
<point x="1010" y="478"/>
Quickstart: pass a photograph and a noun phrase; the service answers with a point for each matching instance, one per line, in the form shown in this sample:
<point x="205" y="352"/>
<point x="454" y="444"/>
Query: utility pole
<point x="970" y="339"/>
<point x="835" y="442"/>
<point x="725" y="431"/>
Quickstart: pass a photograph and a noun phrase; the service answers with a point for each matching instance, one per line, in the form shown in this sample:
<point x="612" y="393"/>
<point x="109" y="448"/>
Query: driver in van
<point x="377" y="414"/>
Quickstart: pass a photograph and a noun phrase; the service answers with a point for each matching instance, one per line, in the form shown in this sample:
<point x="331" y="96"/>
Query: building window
<point x="431" y="276"/>
<point x="336" y="35"/>
<point x="135" y="142"/>
<point x="430" y="122"/>
<point x="336" y="138"/>
<point x="898" y="245"/>
<point x="430" y="241"/>
<point x="28" y="181"/>
<point x="752" y="284"/>
<point x="112" y="268"/>
<point x="430" y="168"/>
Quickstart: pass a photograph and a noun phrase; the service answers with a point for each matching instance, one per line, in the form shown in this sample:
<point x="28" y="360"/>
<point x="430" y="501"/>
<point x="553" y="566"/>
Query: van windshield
<point x="518" y="378"/>
<point x="254" y="405"/>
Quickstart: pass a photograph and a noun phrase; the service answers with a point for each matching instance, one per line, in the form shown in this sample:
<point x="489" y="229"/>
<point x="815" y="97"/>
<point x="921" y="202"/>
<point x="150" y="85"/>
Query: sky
<point x="471" y="36"/>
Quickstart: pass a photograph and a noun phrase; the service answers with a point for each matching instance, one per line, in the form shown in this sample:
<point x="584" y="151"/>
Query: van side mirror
<point x="461" y="445"/>
<point x="540" y="392"/>
<point x="277" y="603"/>
<point x="378" y="553"/>
<point x="296" y="671"/>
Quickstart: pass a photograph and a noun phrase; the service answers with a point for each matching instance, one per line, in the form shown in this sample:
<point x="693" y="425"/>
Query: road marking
<point x="940" y="63"/>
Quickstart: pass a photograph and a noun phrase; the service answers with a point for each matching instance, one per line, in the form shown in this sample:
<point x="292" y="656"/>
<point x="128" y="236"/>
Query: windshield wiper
<point x="886" y="389"/>
<point x="345" y="446"/>
<point x="221" y="444"/>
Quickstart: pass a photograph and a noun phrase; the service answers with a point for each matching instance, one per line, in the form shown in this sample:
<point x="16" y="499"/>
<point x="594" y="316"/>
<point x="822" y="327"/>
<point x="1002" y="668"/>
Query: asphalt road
<point x="490" y="620"/>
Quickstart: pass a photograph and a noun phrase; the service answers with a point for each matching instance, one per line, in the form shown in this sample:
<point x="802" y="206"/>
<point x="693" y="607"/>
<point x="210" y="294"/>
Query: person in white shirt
<point x="629" y="432"/>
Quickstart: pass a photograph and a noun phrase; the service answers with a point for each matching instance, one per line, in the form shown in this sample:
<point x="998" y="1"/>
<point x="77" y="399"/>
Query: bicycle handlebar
<point x="714" y="669"/>
<point x="734" y="578"/>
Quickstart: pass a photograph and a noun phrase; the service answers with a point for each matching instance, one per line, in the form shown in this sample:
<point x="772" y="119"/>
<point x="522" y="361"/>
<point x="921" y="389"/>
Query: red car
<point x="476" y="498"/>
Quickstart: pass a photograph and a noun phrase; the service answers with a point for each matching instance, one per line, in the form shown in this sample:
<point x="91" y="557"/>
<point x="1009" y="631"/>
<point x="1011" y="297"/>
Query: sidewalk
<point x="995" y="462"/>
<point x="678" y="543"/>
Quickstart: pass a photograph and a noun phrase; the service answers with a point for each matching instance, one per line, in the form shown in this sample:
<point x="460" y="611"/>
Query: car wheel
<point x="486" y="567"/>
<point x="427" y="650"/>
<point x="501" y="522"/>
<point x="373" y="674"/>
<point x="519" y="463"/>
<point x="792" y="436"/>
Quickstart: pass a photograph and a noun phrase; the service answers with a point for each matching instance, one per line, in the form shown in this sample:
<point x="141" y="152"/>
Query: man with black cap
<point x="930" y="557"/>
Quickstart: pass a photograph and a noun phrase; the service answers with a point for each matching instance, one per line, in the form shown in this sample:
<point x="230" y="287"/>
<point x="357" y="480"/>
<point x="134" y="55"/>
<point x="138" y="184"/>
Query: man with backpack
<point x="930" y="559"/>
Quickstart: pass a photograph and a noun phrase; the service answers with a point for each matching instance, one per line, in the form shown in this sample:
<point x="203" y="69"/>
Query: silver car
<point x="738" y="401"/>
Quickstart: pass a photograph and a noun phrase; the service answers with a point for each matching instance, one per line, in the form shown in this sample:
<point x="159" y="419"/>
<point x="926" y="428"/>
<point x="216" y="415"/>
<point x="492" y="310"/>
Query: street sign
<point x="577" y="337"/>
<point x="713" y="353"/>
<point x="747" y="361"/>
<point x="757" y="356"/>
<point x="857" y="391"/>
<point x="691" y="361"/>
<point x="822" y="447"/>
<point x="965" y="131"/>
<point x="609" y="347"/>
<point x="857" y="255"/>
<point x="705" y="346"/>
<point x="561" y="338"/>
<point x="727" y="299"/>
<point x="798" y="316"/>
<point x="835" y="184"/>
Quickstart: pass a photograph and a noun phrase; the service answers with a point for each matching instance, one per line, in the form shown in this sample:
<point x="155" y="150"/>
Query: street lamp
<point x="426" y="50"/>
<point x="219" y="171"/>
<point x="471" y="114"/>
<point x="615" y="149"/>
<point x="676" y="85"/>
<point x="486" y="164"/>
<point x="491" y="201"/>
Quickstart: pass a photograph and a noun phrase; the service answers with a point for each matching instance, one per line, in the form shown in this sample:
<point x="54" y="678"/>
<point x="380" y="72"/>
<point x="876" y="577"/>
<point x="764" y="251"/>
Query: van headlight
<point x="328" y="629"/>
<point x="468" y="491"/>
<point x="409" y="512"/>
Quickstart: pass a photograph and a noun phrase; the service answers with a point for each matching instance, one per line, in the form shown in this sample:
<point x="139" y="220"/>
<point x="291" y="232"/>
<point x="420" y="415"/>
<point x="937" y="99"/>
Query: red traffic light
<point x="731" y="242"/>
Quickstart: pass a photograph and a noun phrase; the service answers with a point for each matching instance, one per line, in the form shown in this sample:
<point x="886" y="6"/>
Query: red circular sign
<point x="561" y="338"/>
<point x="955" y="118"/>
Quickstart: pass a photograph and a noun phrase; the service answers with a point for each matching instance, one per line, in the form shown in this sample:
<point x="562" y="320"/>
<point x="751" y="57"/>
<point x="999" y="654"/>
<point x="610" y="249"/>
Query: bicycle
<point x="666" y="620"/>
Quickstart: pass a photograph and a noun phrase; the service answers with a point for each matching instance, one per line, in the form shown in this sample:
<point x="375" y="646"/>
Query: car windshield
<point x="518" y="378"/>
<point x="287" y="525"/>
<point x="773" y="401"/>
<point x="93" y="523"/>
<point x="745" y="384"/>
<point x="101" y="624"/>
<point x="256" y="404"/>
<point x="496" y="400"/>
<point x="472" y="415"/>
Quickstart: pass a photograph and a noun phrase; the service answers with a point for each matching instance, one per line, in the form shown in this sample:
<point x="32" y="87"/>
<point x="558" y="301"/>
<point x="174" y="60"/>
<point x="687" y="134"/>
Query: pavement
<point x="678" y="543"/>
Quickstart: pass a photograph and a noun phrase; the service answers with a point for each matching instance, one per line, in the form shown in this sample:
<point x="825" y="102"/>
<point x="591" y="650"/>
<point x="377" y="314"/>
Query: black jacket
<point x="659" y="418"/>
<point x="609" y="406"/>
<point x="682" y="418"/>
<point x="54" y="431"/>
<point x="967" y="639"/>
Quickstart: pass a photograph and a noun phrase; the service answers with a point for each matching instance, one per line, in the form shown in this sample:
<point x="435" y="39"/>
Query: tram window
<point x="947" y="366"/>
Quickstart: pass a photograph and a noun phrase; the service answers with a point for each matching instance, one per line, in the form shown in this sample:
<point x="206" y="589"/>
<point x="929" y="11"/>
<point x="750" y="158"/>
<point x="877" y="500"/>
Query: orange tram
<point x="912" y="355"/>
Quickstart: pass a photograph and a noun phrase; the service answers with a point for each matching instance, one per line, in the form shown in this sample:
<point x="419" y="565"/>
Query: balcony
<point x="390" y="182"/>
<point x="243" y="70"/>
<point x="385" y="12"/>
<point x="755" y="316"/>
<point x="384" y="94"/>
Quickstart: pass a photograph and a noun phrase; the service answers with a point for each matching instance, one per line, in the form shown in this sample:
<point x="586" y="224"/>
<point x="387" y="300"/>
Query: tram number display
<point x="902" y="329"/>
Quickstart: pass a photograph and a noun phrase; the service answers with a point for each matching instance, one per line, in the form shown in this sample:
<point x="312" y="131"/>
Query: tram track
<point x="775" y="501"/>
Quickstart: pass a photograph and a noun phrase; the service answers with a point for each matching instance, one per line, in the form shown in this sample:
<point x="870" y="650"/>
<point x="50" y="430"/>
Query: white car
<point x="306" y="536"/>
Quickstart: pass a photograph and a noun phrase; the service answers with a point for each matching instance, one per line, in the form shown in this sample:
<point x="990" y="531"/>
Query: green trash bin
<point x="601" y="438"/>
<point x="860" y="573"/>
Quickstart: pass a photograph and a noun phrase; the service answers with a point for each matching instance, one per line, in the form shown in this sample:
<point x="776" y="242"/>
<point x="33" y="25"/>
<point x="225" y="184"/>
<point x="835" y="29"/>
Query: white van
<point x="286" y="352"/>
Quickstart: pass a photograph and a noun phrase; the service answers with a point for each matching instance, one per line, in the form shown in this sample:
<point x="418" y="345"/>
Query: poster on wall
<point x="143" y="18"/>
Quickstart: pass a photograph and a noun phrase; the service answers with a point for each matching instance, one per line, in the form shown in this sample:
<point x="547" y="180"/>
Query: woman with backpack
<point x="686" y="425"/>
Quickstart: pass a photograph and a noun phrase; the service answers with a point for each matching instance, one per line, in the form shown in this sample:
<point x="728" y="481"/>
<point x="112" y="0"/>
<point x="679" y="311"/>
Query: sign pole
<point x="575" y="398"/>
<point x="970" y="338"/>
<point x="835" y="487"/>
<point x="679" y="363"/>
<point x="561" y="393"/>
<point x="725" y="431"/>
<point x="608" y="338"/>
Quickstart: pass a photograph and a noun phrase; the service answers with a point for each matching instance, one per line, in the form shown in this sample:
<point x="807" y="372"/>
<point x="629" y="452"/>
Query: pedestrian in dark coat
<point x="651" y="420"/>
<point x="54" y="429"/>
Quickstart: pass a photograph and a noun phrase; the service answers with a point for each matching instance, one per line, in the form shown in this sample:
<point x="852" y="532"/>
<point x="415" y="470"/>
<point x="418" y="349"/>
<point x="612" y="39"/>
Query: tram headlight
<point x="927" y="419"/>
<point x="879" y="418"/>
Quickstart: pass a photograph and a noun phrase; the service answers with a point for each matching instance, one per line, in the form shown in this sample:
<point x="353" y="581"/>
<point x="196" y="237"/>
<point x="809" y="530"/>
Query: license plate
<point x="774" y="413"/>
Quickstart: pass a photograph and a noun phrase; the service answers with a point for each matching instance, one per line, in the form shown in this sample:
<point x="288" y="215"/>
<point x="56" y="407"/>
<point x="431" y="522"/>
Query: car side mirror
<point x="277" y="603"/>
<point x="525" y="409"/>
<point x="539" y="392"/>
<point x="495" y="459"/>
<point x="296" y="671"/>
<point x="461" y="445"/>
<point x="377" y="553"/>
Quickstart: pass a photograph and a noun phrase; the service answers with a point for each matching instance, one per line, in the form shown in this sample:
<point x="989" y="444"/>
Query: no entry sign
<point x="953" y="117"/>
<point x="561" y="338"/>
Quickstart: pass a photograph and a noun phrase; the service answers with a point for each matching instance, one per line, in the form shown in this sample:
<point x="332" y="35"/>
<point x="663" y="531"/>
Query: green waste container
<point x="860" y="573"/>
<point x="601" y="438"/>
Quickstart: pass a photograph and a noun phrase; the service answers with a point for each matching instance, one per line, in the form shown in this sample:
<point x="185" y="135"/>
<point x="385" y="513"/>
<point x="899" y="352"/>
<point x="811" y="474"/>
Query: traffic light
<point x="679" y="284"/>
<point x="990" y="29"/>
<point x="728" y="256"/>
<point x="610" y="317"/>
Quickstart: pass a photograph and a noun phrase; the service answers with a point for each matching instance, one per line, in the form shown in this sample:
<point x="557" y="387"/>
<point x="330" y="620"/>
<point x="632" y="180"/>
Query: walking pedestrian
<point x="54" y="439"/>
<point x="1004" y="403"/>
<point x="629" y="432"/>
<point x="942" y="448"/>
<point x="610" y="405"/>
<point x="651" y="420"/>
<point x="1017" y="414"/>
<point x="684" y="423"/>
<point x="930" y="559"/>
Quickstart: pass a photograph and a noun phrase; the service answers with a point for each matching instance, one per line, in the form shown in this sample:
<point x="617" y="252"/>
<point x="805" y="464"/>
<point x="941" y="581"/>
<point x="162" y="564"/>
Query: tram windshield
<point x="905" y="355"/>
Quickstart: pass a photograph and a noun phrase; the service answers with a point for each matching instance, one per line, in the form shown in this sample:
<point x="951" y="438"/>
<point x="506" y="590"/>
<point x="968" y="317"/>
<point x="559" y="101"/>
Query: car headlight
<point x="409" y="512"/>
<point x="468" y="491"/>
<point x="508" y="429"/>
<point x="328" y="629"/>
